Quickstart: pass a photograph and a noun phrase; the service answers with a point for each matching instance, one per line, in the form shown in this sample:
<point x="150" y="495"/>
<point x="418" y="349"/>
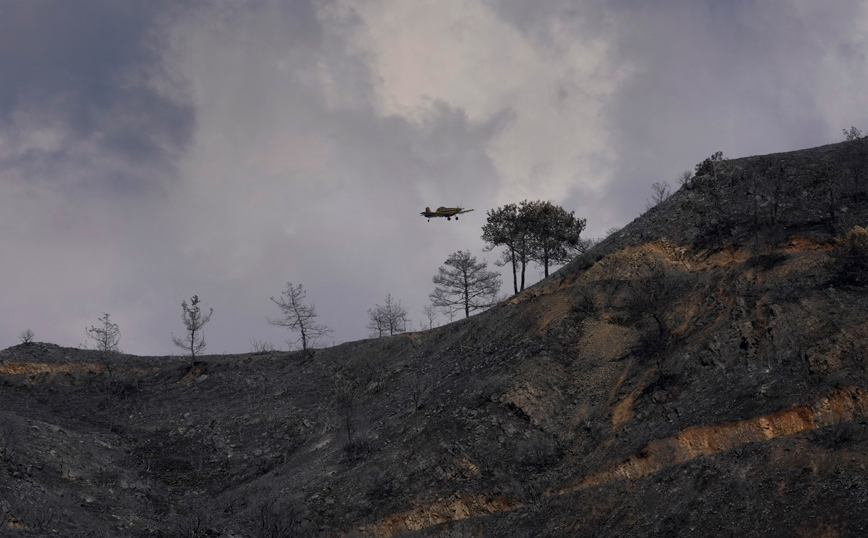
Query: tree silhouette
<point x="194" y="320"/>
<point x="298" y="317"/>
<point x="390" y="318"/>
<point x="430" y="314"/>
<point x="554" y="233"/>
<point x="852" y="134"/>
<point x="507" y="226"/>
<point x="106" y="336"/>
<point x="26" y="336"/>
<point x="467" y="284"/>
<point x="662" y="191"/>
<point x="533" y="231"/>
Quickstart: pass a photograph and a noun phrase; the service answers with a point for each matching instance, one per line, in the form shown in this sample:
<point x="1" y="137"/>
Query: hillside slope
<point x="700" y="372"/>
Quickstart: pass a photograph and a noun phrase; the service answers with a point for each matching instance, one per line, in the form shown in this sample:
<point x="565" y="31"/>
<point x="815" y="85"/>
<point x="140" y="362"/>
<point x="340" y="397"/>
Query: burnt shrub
<point x="35" y="510"/>
<point x="381" y="486"/>
<point x="357" y="449"/>
<point x="584" y="304"/>
<point x="538" y="453"/>
<point x="768" y="261"/>
<point x="275" y="520"/>
<point x="849" y="261"/>
<point x="838" y="436"/>
<point x="650" y="300"/>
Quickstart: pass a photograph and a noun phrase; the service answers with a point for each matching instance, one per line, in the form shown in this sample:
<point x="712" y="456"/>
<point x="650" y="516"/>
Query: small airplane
<point x="447" y="212"/>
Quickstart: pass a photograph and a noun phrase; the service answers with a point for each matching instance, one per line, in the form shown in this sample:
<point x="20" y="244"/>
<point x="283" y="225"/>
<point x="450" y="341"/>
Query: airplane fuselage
<point x="447" y="212"/>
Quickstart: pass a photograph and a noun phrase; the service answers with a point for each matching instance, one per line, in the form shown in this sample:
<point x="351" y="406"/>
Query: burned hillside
<point x="701" y="371"/>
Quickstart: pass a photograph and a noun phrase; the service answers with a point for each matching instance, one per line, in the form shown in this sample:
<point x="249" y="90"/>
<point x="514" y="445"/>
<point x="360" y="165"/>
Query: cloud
<point x="552" y="89"/>
<point x="295" y="178"/>
<point x="154" y="151"/>
<point x="290" y="174"/>
<point x="91" y="129"/>
<point x="84" y="91"/>
<point x="745" y="78"/>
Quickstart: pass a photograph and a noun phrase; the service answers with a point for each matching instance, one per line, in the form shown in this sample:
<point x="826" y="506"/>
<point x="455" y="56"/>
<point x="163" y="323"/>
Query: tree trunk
<point x="466" y="296"/>
<point x="514" y="269"/>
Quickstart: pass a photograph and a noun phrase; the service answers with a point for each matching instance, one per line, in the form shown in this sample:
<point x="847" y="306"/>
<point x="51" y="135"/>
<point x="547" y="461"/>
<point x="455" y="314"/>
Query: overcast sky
<point x="154" y="150"/>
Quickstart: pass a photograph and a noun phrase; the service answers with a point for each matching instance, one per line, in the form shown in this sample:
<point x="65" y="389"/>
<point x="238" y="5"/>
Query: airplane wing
<point x="464" y="211"/>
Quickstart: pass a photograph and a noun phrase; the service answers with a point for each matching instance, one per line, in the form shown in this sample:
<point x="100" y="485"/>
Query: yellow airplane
<point x="447" y="212"/>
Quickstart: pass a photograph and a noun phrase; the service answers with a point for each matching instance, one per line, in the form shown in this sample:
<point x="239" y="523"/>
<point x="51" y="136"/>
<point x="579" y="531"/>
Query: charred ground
<point x="702" y="371"/>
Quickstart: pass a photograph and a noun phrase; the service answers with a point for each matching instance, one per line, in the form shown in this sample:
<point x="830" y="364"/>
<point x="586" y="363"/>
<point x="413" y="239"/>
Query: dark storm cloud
<point x="89" y="71"/>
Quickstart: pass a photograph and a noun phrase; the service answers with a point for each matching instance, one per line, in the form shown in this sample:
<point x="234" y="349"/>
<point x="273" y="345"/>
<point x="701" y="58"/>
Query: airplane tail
<point x="427" y="209"/>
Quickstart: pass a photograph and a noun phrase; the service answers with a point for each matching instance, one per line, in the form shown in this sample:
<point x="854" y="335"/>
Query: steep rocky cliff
<point x="700" y="372"/>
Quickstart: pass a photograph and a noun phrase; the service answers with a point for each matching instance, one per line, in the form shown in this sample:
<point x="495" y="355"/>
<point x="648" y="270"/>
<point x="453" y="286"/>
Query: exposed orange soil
<point x="457" y="507"/>
<point x="547" y="315"/>
<point x="33" y="368"/>
<point x="14" y="524"/>
<point x="843" y="405"/>
<point x="623" y="412"/>
<point x="806" y="244"/>
<point x="820" y="531"/>
<point x="606" y="340"/>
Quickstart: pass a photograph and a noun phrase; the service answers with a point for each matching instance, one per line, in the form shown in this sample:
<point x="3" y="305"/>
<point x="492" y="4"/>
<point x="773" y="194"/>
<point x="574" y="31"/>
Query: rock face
<point x="700" y="372"/>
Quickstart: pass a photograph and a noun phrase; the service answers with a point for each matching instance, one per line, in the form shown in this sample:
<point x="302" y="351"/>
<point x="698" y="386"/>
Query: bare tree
<point x="450" y="311"/>
<point x="26" y="336"/>
<point x="106" y="336"/>
<point x="430" y="314"/>
<point x="467" y="284"/>
<point x="390" y="318"/>
<point x="299" y="317"/>
<point x="852" y="134"/>
<point x="261" y="346"/>
<point x="685" y="177"/>
<point x="661" y="190"/>
<point x="194" y="320"/>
